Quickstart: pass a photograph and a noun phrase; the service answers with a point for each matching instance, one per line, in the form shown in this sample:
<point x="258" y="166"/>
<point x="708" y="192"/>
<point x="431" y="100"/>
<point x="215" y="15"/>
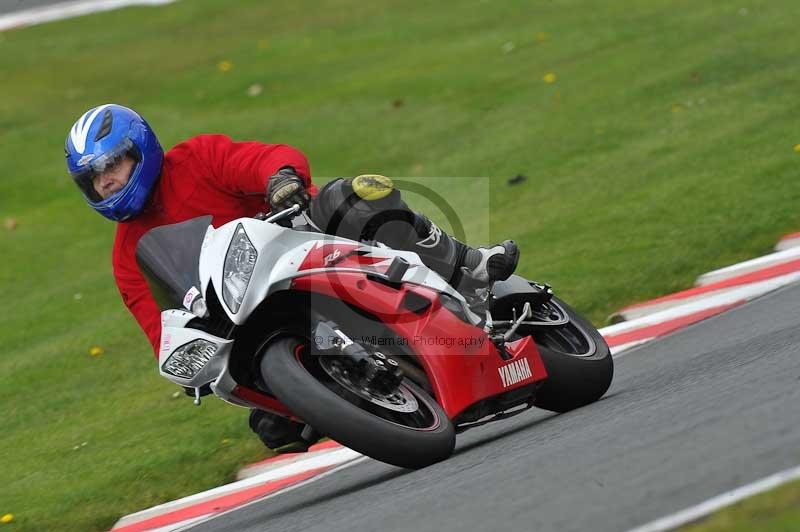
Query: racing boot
<point x="464" y="267"/>
<point x="492" y="263"/>
<point x="279" y="434"/>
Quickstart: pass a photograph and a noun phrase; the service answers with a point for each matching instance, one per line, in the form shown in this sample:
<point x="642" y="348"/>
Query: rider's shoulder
<point x="202" y="142"/>
<point x="197" y="147"/>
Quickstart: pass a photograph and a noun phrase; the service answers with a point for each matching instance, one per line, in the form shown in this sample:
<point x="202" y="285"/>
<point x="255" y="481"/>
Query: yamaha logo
<point x="515" y="372"/>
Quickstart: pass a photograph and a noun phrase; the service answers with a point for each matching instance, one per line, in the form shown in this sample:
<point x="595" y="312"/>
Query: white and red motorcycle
<point x="362" y="343"/>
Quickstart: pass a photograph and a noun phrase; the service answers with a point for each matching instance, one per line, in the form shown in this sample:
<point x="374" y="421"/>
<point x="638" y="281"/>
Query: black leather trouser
<point x="337" y="210"/>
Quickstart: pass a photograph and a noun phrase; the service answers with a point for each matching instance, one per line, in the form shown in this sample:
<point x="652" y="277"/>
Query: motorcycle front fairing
<point x="188" y="356"/>
<point x="464" y="367"/>
<point x="284" y="254"/>
<point x="279" y="255"/>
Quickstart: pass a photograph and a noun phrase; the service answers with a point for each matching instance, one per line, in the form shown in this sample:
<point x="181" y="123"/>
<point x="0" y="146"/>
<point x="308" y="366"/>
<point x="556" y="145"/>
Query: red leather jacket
<point x="207" y="174"/>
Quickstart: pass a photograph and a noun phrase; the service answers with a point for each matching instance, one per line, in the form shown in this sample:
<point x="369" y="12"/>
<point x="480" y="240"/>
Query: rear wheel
<point x="404" y="426"/>
<point x="578" y="362"/>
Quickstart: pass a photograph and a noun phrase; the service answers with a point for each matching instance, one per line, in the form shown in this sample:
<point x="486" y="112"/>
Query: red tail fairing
<point x="463" y="366"/>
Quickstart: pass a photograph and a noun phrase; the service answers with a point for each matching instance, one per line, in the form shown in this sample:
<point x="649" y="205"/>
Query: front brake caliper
<point x="381" y="373"/>
<point x="374" y="370"/>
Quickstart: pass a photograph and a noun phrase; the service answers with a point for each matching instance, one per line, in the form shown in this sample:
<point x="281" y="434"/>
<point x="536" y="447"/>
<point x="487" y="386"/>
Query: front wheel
<point x="578" y="362"/>
<point x="407" y="428"/>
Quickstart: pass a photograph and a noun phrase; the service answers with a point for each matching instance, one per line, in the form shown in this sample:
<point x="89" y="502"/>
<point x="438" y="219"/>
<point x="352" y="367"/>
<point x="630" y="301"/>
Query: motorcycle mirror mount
<point x="197" y="396"/>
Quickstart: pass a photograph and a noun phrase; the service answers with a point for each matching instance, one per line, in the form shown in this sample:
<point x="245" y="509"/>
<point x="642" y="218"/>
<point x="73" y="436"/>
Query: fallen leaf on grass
<point x="549" y="78"/>
<point x="96" y="351"/>
<point x="225" y="66"/>
<point x="797" y="148"/>
<point x="254" y="90"/>
<point x="7" y="518"/>
<point x="10" y="224"/>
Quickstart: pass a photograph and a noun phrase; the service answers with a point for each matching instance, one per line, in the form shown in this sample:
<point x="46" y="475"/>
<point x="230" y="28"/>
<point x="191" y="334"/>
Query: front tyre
<point x="578" y="362"/>
<point x="405" y="439"/>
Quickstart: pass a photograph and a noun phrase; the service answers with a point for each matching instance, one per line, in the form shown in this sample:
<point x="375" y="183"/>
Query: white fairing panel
<point x="281" y="254"/>
<point x="175" y="334"/>
<point x="281" y="251"/>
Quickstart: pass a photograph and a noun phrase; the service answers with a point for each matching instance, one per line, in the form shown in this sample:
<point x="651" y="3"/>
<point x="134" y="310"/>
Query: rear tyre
<point x="411" y="440"/>
<point x="578" y="362"/>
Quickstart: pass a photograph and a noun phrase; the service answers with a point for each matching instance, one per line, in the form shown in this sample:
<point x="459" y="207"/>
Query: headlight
<point x="239" y="263"/>
<point x="189" y="359"/>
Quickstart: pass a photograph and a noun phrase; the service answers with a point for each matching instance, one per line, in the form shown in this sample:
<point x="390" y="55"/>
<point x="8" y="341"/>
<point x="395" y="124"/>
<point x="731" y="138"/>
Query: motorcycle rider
<point x="120" y="168"/>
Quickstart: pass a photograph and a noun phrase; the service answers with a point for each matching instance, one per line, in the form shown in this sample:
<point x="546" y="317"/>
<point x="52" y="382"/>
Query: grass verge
<point x="777" y="510"/>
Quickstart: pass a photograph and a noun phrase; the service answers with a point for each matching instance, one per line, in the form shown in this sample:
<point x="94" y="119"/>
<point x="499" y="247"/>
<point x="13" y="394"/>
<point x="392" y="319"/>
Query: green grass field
<point x="662" y="147"/>
<point x="777" y="510"/>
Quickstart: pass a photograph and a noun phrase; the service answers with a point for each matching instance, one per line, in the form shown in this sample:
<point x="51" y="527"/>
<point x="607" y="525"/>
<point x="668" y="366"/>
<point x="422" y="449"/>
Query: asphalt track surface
<point x="696" y="414"/>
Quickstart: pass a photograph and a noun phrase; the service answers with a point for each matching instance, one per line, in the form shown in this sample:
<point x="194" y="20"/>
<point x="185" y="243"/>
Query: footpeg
<point x="310" y="435"/>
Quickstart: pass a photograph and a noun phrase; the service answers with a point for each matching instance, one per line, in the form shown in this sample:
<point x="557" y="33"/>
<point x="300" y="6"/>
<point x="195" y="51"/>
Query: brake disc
<point x="399" y="400"/>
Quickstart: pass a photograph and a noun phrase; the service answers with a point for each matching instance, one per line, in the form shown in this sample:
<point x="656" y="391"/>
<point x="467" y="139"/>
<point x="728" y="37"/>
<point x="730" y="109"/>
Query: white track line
<point x="617" y="350"/>
<point x="277" y="493"/>
<point x="39" y="15"/>
<point x="749" y="266"/>
<point x="333" y="457"/>
<point x="787" y="243"/>
<point x="720" y="501"/>
<point x="746" y="292"/>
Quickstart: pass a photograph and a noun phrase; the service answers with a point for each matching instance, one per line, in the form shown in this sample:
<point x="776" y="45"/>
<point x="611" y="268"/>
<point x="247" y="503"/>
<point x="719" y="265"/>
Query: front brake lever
<point x="290" y="212"/>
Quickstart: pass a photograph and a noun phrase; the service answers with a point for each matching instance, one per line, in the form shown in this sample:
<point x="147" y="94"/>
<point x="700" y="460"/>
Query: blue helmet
<point x="101" y="138"/>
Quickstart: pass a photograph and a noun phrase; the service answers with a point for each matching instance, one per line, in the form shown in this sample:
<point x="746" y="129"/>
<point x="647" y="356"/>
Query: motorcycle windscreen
<point x="169" y="257"/>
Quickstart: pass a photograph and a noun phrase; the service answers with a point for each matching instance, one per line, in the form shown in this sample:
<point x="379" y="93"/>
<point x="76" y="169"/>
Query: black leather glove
<point x="286" y="189"/>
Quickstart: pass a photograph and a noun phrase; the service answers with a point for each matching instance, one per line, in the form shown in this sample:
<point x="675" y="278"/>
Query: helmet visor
<point x="85" y="177"/>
